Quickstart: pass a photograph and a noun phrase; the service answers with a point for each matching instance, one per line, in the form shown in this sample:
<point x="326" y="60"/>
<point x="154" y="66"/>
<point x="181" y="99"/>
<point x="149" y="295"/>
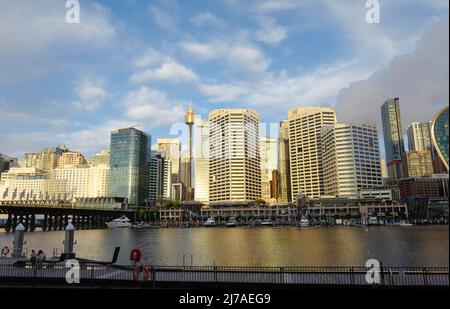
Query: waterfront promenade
<point x="109" y="276"/>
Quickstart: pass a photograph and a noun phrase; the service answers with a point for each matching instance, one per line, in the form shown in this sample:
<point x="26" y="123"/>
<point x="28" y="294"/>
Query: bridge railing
<point x="294" y="276"/>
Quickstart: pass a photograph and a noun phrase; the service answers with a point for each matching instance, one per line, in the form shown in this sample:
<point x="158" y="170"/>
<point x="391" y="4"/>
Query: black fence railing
<point x="179" y="275"/>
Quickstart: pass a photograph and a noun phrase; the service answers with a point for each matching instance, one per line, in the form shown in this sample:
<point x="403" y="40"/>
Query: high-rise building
<point x="417" y="163"/>
<point x="171" y="147"/>
<point x="201" y="160"/>
<point x="101" y="158"/>
<point x="7" y="162"/>
<point x="419" y="136"/>
<point x="23" y="183"/>
<point x="46" y="159"/>
<point x="130" y="165"/>
<point x="393" y="137"/>
<point x="440" y="135"/>
<point x="71" y="159"/>
<point x="305" y="149"/>
<point x="269" y="158"/>
<point x="285" y="195"/>
<point x="156" y="182"/>
<point x="185" y="176"/>
<point x="351" y="159"/>
<point x="384" y="172"/>
<point x="275" y="186"/>
<point x="234" y="162"/>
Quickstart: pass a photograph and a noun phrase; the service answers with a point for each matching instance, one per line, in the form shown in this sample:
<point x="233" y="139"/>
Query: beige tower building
<point x="305" y="149"/>
<point x="71" y="159"/>
<point x="417" y="163"/>
<point x="171" y="147"/>
<point x="234" y="148"/>
<point x="269" y="157"/>
<point x="419" y="136"/>
<point x="351" y="159"/>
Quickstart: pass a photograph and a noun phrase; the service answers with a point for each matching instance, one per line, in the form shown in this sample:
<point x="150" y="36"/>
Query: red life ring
<point x="5" y="251"/>
<point x="135" y="255"/>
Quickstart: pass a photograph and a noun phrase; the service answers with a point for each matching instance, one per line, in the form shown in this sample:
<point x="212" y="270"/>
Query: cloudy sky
<point x="134" y="62"/>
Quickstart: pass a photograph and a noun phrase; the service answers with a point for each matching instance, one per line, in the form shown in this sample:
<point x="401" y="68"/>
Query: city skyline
<point x="141" y="70"/>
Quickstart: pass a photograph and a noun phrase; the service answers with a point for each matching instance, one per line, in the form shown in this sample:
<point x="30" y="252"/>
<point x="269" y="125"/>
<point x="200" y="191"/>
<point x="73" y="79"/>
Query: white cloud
<point x="207" y="19"/>
<point x="267" y="6"/>
<point x="163" y="19"/>
<point x="419" y="79"/>
<point x="153" y="106"/>
<point x="151" y="58"/>
<point x="170" y="71"/>
<point x="91" y="93"/>
<point x="270" y="33"/>
<point x="242" y="56"/>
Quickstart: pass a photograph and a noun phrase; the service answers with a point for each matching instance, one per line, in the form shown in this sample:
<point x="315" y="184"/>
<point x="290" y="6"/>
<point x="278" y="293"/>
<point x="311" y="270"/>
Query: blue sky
<point x="137" y="62"/>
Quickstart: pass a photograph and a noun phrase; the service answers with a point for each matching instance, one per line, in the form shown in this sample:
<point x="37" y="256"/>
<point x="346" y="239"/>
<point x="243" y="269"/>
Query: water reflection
<point x="397" y="246"/>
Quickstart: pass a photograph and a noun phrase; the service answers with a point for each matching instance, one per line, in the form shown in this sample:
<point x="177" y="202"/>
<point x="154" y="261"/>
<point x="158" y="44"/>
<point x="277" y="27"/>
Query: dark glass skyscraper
<point x="393" y="137"/>
<point x="130" y="165"/>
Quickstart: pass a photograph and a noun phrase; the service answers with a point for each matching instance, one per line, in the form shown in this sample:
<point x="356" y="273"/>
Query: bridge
<point x="85" y="213"/>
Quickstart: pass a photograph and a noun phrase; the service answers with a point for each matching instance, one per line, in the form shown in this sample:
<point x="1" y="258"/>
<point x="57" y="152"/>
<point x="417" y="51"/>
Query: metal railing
<point x="179" y="275"/>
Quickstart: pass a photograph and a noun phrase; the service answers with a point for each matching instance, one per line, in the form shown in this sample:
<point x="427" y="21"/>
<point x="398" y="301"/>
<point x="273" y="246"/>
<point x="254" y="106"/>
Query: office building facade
<point x="305" y="149"/>
<point x="234" y="155"/>
<point x="351" y="159"/>
<point x="393" y="137"/>
<point x="130" y="165"/>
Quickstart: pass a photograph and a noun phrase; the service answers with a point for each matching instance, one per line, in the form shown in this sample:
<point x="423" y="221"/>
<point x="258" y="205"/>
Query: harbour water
<point x="289" y="246"/>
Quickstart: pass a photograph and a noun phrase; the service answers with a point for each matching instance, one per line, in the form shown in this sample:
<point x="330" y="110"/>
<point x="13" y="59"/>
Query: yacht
<point x="231" y="222"/>
<point x="266" y="222"/>
<point x="122" y="222"/>
<point x="210" y="222"/>
<point x="304" y="222"/>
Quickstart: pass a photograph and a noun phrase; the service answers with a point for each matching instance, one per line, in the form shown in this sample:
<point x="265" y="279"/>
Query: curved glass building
<point x="439" y="134"/>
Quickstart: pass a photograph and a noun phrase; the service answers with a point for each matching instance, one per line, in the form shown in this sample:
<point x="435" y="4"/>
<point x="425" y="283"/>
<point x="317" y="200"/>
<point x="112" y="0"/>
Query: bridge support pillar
<point x="18" y="240"/>
<point x="45" y="223"/>
<point x="32" y="223"/>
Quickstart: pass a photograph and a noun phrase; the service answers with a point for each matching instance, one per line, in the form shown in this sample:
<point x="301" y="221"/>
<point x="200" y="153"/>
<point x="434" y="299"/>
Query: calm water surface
<point x="342" y="246"/>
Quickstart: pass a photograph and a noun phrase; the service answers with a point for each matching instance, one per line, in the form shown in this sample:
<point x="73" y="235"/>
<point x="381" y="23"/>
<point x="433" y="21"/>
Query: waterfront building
<point x="101" y="158"/>
<point x="388" y="194"/>
<point x="417" y="163"/>
<point x="46" y="159"/>
<point x="201" y="160"/>
<point x="285" y="195"/>
<point x="305" y="149"/>
<point x="234" y="161"/>
<point x="171" y="147"/>
<point x="269" y="158"/>
<point x="431" y="187"/>
<point x="7" y="162"/>
<point x="71" y="159"/>
<point x="419" y="136"/>
<point x="393" y="137"/>
<point x="20" y="183"/>
<point x="440" y="135"/>
<point x="130" y="165"/>
<point x="351" y="159"/>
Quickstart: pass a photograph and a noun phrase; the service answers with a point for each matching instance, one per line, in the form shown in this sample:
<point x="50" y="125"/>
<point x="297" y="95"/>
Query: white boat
<point x="405" y="224"/>
<point x="210" y="222"/>
<point x="266" y="222"/>
<point x="231" y="222"/>
<point x="122" y="222"/>
<point x="304" y="222"/>
<point x="338" y="221"/>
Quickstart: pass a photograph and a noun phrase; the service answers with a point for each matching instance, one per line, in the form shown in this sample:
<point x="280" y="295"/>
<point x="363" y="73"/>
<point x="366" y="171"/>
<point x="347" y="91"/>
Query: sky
<point x="138" y="63"/>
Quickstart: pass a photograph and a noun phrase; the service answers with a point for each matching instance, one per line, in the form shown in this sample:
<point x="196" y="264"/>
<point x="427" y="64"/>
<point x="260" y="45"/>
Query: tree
<point x="260" y="201"/>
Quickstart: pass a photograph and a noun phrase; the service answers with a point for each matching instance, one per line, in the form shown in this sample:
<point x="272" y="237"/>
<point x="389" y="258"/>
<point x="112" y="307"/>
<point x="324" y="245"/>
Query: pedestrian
<point x="41" y="258"/>
<point x="33" y="258"/>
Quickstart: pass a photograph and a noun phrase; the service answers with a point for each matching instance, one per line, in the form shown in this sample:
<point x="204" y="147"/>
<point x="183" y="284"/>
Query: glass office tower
<point x="130" y="165"/>
<point x="393" y="137"/>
